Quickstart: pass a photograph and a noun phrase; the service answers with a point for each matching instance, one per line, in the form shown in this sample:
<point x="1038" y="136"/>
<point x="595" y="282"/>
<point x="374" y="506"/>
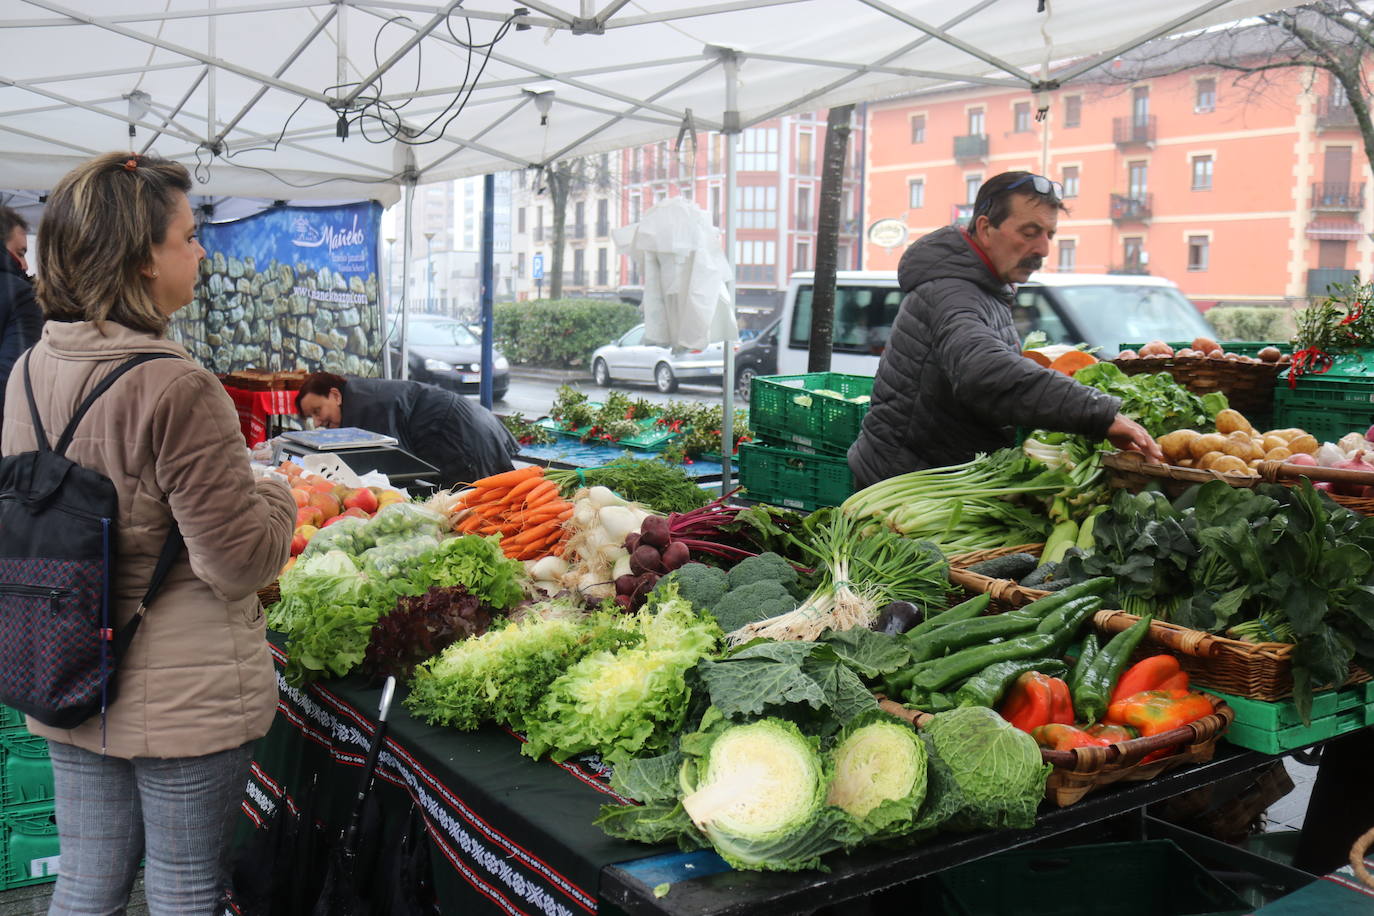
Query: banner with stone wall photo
<point x="288" y="288"/>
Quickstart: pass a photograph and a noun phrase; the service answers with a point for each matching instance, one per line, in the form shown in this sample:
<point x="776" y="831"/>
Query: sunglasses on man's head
<point x="1040" y="183"/>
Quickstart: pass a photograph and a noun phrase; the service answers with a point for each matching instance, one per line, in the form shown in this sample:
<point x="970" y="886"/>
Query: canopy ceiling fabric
<point x="259" y="80"/>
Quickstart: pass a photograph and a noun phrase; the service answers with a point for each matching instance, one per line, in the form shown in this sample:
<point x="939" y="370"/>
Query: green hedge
<point x="559" y="333"/>
<point x="1238" y="322"/>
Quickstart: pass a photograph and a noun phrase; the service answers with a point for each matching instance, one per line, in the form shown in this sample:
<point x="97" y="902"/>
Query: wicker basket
<point x="1357" y="853"/>
<point x="1005" y="593"/>
<point x="1128" y="471"/>
<point x="270" y="594"/>
<point x="1081" y="770"/>
<point x="1256" y="670"/>
<point x="1249" y="387"/>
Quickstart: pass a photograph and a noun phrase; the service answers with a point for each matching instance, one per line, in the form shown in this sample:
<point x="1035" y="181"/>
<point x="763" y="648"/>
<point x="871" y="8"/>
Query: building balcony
<point x="634" y="175"/>
<point x="1133" y="131"/>
<point x="1127" y="209"/>
<point x="1335" y="230"/>
<point x="971" y="147"/>
<point x="603" y="229"/>
<point x="579" y="278"/>
<point x="1320" y="280"/>
<point x="602" y="278"/>
<point x="538" y="233"/>
<point x="1341" y="196"/>
<point x="1335" y="114"/>
<point x="1131" y="268"/>
<point x="577" y="231"/>
<point x="756" y="273"/>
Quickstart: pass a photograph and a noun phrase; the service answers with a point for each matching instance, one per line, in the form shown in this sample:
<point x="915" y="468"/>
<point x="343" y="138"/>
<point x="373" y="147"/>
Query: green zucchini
<point x="1013" y="566"/>
<point x="1039" y="575"/>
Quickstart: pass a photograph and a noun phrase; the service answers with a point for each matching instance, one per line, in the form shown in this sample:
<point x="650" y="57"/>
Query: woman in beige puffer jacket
<point x="118" y="256"/>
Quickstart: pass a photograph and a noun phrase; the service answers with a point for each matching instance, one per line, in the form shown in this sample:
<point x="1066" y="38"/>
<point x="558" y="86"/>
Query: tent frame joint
<point x="582" y="25"/>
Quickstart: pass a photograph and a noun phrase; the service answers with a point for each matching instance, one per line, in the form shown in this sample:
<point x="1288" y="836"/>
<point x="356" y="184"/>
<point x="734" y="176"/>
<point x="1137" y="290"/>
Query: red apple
<point x="363" y="499"/>
<point x="327" y="503"/>
<point x="355" y="512"/>
<point x="309" y="515"/>
<point x="302" y="497"/>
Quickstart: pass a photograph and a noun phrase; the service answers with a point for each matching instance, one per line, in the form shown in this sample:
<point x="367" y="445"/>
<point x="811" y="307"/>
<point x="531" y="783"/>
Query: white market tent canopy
<point x="252" y="94"/>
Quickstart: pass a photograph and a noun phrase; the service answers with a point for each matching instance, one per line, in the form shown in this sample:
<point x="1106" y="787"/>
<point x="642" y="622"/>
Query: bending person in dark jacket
<point x="21" y="321"/>
<point x="461" y="438"/>
<point x="952" y="382"/>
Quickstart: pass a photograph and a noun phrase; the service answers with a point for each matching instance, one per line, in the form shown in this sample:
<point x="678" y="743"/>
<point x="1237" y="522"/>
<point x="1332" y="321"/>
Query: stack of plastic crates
<point x="805" y="425"/>
<point x="1338" y="401"/>
<point x="28" y="830"/>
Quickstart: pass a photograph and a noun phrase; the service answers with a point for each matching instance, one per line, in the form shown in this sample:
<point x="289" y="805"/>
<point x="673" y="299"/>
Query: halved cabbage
<point x="880" y="773"/>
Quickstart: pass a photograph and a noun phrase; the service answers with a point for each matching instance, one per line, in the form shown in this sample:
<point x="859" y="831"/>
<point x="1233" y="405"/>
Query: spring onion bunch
<point x="995" y="500"/>
<point x="858" y="572"/>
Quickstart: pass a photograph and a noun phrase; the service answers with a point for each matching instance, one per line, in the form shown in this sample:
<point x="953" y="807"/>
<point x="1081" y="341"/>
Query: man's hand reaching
<point x="1127" y="434"/>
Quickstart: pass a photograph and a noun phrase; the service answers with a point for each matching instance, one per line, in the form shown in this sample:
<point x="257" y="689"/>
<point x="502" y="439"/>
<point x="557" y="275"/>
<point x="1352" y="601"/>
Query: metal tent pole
<point x="731" y="131"/>
<point x="488" y="257"/>
<point x="407" y="252"/>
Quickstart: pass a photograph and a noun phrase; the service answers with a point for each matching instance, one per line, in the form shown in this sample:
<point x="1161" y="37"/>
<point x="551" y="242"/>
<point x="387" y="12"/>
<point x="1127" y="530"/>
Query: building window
<point x="1206" y="95"/>
<point x="1068" y="255"/>
<point x="804" y="209"/>
<point x="1021" y="121"/>
<point x="603" y="219"/>
<point x="916" y="193"/>
<point x="1198" y="250"/>
<point x="634" y="208"/>
<point x="520" y="219"/>
<point x="918" y="129"/>
<point x="758" y="150"/>
<point x="757" y="206"/>
<point x="1202" y="173"/>
<point x="1133" y="253"/>
<point x="1137" y="179"/>
<point x="975" y="122"/>
<point x="971" y="185"/>
<point x="756" y="261"/>
<point x="804" y="153"/>
<point x="1070" y="180"/>
<point x="1140" y="105"/>
<point x="601" y="277"/>
<point x="715" y="207"/>
<point x="579" y="267"/>
<point x="1073" y="111"/>
<point x="519" y="263"/>
<point x="803" y="256"/>
<point x="637" y="166"/>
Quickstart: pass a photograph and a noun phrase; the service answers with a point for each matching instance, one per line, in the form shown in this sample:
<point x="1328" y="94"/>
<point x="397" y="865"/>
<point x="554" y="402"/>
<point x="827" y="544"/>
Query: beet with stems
<point x="676" y="554"/>
<point x="646" y="559"/>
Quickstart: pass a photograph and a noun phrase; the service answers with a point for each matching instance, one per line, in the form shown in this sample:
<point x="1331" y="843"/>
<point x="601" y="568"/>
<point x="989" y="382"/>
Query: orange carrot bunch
<point x="521" y="506"/>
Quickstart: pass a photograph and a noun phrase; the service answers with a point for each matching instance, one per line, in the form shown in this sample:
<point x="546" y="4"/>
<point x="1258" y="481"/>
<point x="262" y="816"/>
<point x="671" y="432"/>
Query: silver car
<point x="630" y="359"/>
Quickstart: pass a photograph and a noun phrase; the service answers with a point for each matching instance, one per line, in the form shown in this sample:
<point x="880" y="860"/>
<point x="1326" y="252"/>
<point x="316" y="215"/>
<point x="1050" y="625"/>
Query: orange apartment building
<point x="1238" y="196"/>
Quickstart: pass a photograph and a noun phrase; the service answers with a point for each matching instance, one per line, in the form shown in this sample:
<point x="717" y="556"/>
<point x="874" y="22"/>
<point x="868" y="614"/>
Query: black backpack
<point x="58" y="642"/>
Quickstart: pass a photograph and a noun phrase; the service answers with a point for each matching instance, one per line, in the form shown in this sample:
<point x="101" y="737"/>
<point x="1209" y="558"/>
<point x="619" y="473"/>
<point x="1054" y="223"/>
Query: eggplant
<point x="898" y="617"/>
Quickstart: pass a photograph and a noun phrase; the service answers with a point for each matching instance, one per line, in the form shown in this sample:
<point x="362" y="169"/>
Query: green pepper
<point x="964" y="611"/>
<point x="971" y="632"/>
<point x="942" y="672"/>
<point x="1095" y="686"/>
<point x="1085" y="658"/>
<point x="987" y="686"/>
<point x="1068" y="617"/>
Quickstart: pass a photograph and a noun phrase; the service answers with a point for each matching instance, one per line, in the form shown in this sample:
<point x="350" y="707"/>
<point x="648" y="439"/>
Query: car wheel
<point x="499" y="394"/>
<point x="746" y="375"/>
<point x="664" y="380"/>
<point x="601" y="373"/>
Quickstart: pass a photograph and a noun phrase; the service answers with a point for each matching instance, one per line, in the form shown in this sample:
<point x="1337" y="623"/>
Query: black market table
<point x="512" y="835"/>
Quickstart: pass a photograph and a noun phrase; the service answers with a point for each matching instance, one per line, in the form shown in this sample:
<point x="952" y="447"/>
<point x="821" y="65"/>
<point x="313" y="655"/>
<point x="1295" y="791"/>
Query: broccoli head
<point x="754" y="601"/>
<point x="765" y="566"/>
<point x="700" y="584"/>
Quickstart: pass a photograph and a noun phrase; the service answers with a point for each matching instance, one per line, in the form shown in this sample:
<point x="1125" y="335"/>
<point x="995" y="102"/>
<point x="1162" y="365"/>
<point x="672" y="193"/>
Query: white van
<point x="1101" y="310"/>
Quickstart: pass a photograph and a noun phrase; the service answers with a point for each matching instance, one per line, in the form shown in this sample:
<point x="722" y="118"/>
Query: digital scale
<point x="363" y="451"/>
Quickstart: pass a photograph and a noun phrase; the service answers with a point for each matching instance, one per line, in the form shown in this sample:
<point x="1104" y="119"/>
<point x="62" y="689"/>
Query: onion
<point x="618" y="521"/>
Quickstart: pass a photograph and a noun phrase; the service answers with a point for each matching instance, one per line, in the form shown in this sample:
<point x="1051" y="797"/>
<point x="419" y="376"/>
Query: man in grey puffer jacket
<point x="952" y="381"/>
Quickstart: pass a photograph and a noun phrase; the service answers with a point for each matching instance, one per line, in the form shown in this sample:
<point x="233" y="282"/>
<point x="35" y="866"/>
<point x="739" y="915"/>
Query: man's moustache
<point x="1031" y="263"/>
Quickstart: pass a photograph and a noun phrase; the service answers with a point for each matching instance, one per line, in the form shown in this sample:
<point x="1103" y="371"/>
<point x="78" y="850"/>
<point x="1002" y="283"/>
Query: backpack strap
<point x="170" y="549"/>
<point x="66" y="438"/>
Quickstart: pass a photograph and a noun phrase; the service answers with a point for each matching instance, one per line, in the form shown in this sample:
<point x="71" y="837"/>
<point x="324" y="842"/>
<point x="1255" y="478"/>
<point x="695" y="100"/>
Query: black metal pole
<point x="488" y="257"/>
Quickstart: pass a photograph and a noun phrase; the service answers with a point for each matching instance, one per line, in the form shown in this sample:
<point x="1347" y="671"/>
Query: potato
<point x="1240" y="447"/>
<point x="1127" y="354"/>
<point x="1204" y="344"/>
<point x="1305" y="444"/>
<point x="1207" y="460"/>
<point x="1228" y="421"/>
<point x="1229" y="464"/>
<point x="1187" y="352"/>
<point x="1280" y="453"/>
<point x="1175" y="444"/>
<point x="1186" y="463"/>
<point x="1215" y="354"/>
<point x="1255" y="463"/>
<point x="1271" y="442"/>
<point x="1211" y="442"/>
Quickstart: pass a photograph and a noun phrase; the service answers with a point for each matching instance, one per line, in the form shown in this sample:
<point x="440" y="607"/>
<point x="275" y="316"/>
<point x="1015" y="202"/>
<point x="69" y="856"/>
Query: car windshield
<point x="436" y="334"/>
<point x="1109" y="315"/>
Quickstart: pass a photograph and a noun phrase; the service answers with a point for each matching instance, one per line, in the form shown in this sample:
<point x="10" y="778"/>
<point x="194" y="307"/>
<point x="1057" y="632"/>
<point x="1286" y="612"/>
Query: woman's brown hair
<point x="98" y="230"/>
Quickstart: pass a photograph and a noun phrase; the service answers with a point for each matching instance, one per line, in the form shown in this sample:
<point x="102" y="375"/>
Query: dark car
<point x="756" y="356"/>
<point x="444" y="352"/>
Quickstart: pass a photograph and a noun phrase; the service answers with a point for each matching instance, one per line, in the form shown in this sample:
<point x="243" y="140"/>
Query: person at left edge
<point x="458" y="436"/>
<point x="21" y="321"/>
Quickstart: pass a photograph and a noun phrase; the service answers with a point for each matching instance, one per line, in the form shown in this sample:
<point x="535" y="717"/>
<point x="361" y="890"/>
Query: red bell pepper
<point x="1158" y="672"/>
<point x="1157" y="711"/>
<point x="1037" y="699"/>
<point x="1060" y="737"/>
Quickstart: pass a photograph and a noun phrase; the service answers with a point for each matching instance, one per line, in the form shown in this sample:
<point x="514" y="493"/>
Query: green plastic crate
<point x="11" y="719"/>
<point x="783" y="411"/>
<point x="1276" y="727"/>
<point x="25" y="770"/>
<point x="651" y="437"/>
<point x="1327" y="420"/>
<point x="30" y="846"/>
<point x="797" y="480"/>
<point x="1148" y="878"/>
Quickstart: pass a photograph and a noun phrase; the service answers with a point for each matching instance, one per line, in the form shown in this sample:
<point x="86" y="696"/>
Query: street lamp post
<point x="429" y="270"/>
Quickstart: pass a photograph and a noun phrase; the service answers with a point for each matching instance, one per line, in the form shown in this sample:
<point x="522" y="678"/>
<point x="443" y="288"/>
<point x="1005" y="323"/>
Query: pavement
<point x="551" y="376"/>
